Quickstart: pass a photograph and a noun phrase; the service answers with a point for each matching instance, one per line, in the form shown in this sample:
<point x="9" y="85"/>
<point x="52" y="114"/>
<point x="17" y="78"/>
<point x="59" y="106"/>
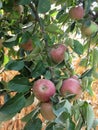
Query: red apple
<point x="28" y="46"/>
<point x="46" y="110"/>
<point x="76" y="13"/>
<point x="57" y="53"/>
<point x="44" y="89"/>
<point x="72" y="86"/>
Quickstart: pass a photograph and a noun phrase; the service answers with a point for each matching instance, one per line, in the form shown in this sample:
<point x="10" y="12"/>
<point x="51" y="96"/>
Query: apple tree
<point x="41" y="39"/>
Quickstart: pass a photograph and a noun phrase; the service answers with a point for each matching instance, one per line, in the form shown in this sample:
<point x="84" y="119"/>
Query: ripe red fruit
<point x="76" y="13"/>
<point x="57" y="53"/>
<point x="46" y="110"/>
<point x="71" y="86"/>
<point x="28" y="45"/>
<point x="44" y="89"/>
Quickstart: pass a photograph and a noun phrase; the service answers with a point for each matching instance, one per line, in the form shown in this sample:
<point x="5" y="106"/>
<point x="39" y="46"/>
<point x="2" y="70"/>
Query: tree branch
<point x="40" y="24"/>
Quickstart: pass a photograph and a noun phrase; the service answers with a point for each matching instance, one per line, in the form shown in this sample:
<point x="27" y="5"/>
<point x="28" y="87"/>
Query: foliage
<point x="47" y="22"/>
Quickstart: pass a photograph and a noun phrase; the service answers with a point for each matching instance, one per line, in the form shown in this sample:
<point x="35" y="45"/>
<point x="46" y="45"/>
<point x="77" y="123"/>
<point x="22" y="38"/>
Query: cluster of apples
<point x="87" y="29"/>
<point x="44" y="89"/>
<point x="78" y="13"/>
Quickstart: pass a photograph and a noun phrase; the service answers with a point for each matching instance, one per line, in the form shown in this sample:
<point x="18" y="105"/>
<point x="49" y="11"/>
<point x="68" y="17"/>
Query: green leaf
<point x="58" y="85"/>
<point x="6" y="117"/>
<point x="95" y="74"/>
<point x="24" y="2"/>
<point x="72" y="26"/>
<point x="27" y="117"/>
<point x="1" y="87"/>
<point x="6" y="60"/>
<point x="69" y="42"/>
<point x="47" y="74"/>
<point x="88" y="114"/>
<point x="25" y="37"/>
<point x="87" y="73"/>
<point x="1" y="58"/>
<point x="44" y="6"/>
<point x="1" y="4"/>
<point x="38" y="70"/>
<point x="90" y="117"/>
<point x="83" y="62"/>
<point x="63" y="117"/>
<point x="58" y="2"/>
<point x="29" y="100"/>
<point x="71" y="125"/>
<point x="87" y="4"/>
<point x="95" y="123"/>
<point x="19" y="84"/>
<point x="13" y="41"/>
<point x="80" y="123"/>
<point x="75" y="110"/>
<point x="58" y="127"/>
<point x="7" y="96"/>
<point x="63" y="19"/>
<point x="59" y="14"/>
<point x="64" y="106"/>
<point x="7" y="6"/>
<point x="32" y="114"/>
<point x="95" y="56"/>
<point x="59" y="108"/>
<point x="52" y="28"/>
<point x="68" y="106"/>
<point x="33" y="124"/>
<point x="78" y="47"/>
<point x="14" y="65"/>
<point x="50" y="126"/>
<point x="87" y="85"/>
<point x="11" y="107"/>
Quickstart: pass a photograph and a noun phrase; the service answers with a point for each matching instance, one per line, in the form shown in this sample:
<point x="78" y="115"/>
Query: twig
<point x="39" y="21"/>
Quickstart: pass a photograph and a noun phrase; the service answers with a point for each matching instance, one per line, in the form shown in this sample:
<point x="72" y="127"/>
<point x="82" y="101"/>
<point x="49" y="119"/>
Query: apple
<point x="76" y="13"/>
<point x="46" y="110"/>
<point x="72" y="86"/>
<point x="44" y="89"/>
<point x="89" y="30"/>
<point x="28" y="45"/>
<point x="57" y="53"/>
